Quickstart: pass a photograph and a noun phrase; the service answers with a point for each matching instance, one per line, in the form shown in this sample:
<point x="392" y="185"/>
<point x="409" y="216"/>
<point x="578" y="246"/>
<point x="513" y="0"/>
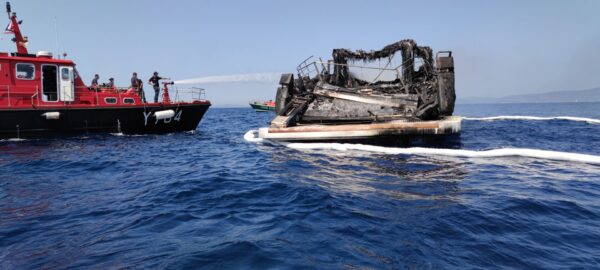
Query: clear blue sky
<point x="500" y="47"/>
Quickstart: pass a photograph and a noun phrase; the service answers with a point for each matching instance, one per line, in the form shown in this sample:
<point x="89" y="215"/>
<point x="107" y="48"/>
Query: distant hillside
<point x="589" y="95"/>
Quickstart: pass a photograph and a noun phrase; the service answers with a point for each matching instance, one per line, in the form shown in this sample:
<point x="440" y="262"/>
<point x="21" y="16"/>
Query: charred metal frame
<point x="323" y="95"/>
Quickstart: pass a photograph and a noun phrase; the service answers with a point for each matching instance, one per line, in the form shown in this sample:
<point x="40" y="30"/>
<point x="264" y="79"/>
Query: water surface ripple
<point x="211" y="199"/>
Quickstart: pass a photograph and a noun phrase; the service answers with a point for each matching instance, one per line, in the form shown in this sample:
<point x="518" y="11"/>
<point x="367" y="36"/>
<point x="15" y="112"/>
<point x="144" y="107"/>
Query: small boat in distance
<point x="263" y="106"/>
<point x="42" y="95"/>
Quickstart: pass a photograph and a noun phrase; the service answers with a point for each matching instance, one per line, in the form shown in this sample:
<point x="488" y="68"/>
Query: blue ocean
<point x="212" y="199"/>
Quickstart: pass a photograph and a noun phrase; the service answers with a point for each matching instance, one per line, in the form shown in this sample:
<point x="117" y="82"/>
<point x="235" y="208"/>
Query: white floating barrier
<point x="160" y="115"/>
<point x="51" y="115"/>
<point x="534" y="118"/>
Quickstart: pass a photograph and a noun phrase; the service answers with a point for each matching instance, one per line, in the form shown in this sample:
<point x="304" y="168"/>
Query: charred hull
<point x="27" y="123"/>
<point x="398" y="129"/>
<point x="331" y="93"/>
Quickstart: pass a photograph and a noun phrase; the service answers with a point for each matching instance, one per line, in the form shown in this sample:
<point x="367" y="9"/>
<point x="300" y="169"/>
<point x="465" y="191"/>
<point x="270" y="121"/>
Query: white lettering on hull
<point x="177" y="117"/>
<point x="146" y="115"/>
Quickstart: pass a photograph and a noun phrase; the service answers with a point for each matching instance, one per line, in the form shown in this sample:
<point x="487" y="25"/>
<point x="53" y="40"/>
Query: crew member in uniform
<point x="136" y="84"/>
<point x="154" y="81"/>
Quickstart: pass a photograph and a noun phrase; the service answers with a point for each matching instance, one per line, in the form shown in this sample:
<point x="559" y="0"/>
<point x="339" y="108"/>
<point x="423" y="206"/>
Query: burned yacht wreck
<point x="332" y="101"/>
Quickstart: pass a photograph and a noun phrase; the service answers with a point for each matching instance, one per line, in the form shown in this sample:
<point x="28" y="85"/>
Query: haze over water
<point x="501" y="48"/>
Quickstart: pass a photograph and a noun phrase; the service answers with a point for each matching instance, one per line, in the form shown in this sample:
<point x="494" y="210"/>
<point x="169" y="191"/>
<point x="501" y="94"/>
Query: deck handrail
<point x="33" y="96"/>
<point x="196" y="93"/>
<point x="181" y="95"/>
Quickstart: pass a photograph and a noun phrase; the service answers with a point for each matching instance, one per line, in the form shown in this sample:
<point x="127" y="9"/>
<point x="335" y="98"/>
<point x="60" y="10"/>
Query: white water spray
<point x="13" y="140"/>
<point x="272" y="77"/>
<point x="534" y="118"/>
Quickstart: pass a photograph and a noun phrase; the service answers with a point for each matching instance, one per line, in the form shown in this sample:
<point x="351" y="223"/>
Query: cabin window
<point x="110" y="100"/>
<point x="25" y="71"/>
<point x="128" y="101"/>
<point x="64" y="73"/>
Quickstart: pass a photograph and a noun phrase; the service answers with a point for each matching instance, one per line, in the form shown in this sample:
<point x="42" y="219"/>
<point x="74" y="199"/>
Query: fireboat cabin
<point x="42" y="95"/>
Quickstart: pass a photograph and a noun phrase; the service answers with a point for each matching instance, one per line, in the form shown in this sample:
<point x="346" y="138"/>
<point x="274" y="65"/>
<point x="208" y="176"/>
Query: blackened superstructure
<point x="325" y="95"/>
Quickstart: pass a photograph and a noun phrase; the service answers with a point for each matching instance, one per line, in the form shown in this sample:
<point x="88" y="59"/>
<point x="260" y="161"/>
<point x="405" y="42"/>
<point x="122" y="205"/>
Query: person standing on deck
<point x="94" y="84"/>
<point x="154" y="81"/>
<point x="141" y="90"/>
<point x="136" y="84"/>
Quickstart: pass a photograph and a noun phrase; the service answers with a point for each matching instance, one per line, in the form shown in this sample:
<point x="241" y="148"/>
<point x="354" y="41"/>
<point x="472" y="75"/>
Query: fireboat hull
<point x="40" y="122"/>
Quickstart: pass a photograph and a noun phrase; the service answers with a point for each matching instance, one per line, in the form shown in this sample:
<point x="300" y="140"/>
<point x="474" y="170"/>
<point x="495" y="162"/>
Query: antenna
<point x="56" y="30"/>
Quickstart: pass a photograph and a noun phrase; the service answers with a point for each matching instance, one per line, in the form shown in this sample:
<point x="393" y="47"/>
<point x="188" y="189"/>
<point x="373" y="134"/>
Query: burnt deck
<point x="317" y="132"/>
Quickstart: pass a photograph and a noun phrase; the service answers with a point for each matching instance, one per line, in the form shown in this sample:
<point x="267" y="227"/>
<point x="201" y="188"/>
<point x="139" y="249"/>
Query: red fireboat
<point x="41" y="95"/>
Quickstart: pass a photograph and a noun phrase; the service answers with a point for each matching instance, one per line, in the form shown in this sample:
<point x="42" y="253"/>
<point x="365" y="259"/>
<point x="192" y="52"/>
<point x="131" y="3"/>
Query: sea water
<point x="517" y="192"/>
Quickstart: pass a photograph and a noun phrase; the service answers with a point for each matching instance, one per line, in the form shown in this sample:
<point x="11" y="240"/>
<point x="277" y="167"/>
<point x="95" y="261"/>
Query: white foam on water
<point x="121" y="134"/>
<point x="252" y="136"/>
<point x="271" y="77"/>
<point x="534" y="118"/>
<point x="494" y="153"/>
<point x="12" y="140"/>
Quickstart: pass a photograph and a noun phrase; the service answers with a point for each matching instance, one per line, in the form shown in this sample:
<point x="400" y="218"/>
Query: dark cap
<point x="111" y="79"/>
<point x="135" y="73"/>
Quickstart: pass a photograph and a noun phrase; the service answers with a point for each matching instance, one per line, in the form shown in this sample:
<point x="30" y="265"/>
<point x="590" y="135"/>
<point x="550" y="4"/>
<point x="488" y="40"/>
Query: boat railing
<point x="311" y="69"/>
<point x="34" y="98"/>
<point x="186" y="94"/>
<point x="113" y="90"/>
<point x="11" y="97"/>
<point x="397" y="70"/>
